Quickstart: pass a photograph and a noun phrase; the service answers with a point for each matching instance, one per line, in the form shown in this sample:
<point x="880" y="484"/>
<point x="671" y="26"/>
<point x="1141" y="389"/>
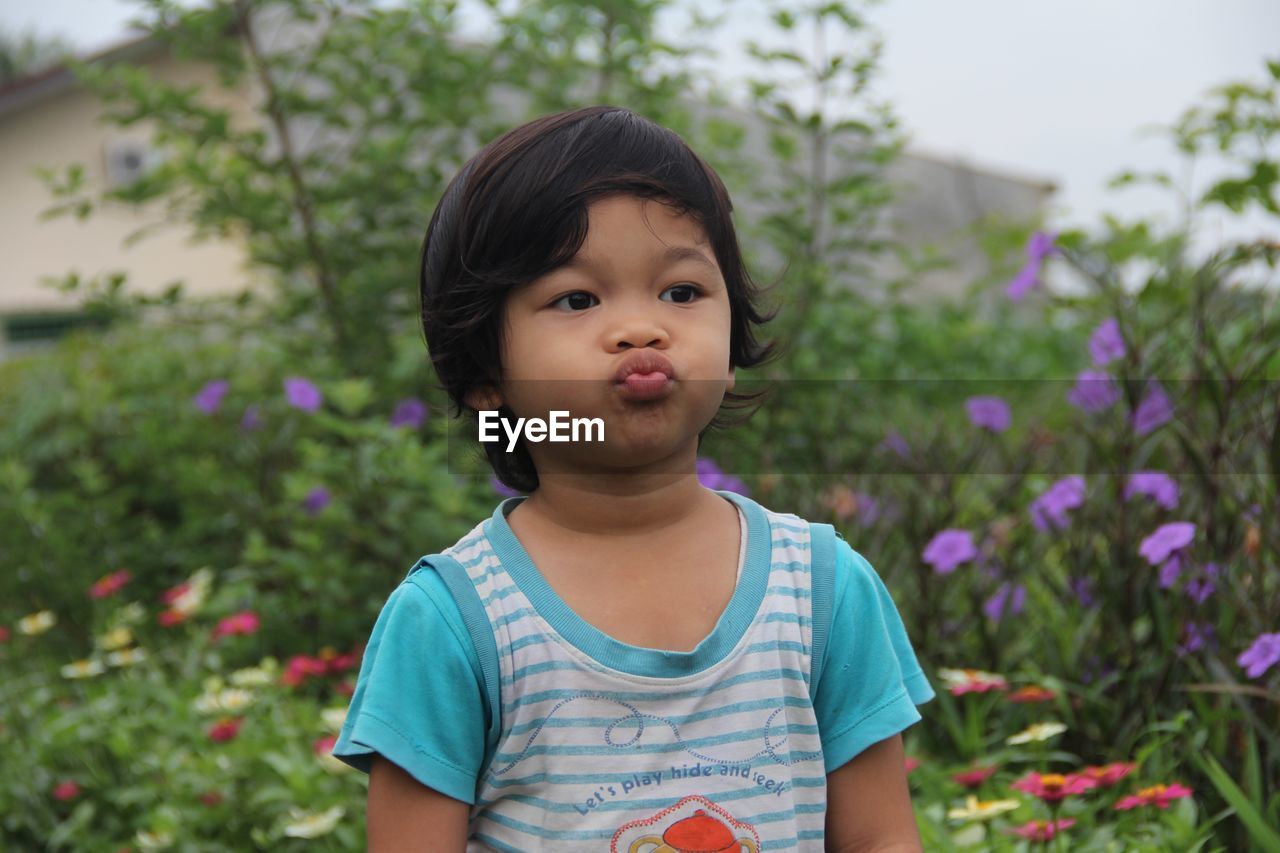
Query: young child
<point x="622" y="659"/>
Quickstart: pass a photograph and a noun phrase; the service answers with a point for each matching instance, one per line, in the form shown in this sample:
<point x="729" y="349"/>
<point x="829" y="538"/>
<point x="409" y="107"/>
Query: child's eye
<point x="693" y="290"/>
<point x="580" y="295"/>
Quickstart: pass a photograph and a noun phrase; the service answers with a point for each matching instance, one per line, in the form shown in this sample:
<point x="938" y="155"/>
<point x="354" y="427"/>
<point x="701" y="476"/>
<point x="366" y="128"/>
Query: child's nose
<point x="638" y="327"/>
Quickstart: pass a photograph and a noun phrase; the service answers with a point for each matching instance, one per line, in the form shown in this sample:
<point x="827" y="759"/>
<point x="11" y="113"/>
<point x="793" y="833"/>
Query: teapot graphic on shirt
<point x="699" y="832"/>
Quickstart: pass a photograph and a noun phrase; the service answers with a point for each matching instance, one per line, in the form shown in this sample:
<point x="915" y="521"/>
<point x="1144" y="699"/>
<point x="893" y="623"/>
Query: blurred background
<point x="1026" y="253"/>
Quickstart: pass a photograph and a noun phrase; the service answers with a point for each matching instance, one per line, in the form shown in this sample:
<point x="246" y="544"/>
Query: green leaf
<point x="1265" y="837"/>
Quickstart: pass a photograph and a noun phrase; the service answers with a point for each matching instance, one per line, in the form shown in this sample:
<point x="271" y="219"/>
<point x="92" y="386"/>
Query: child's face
<point x="563" y="353"/>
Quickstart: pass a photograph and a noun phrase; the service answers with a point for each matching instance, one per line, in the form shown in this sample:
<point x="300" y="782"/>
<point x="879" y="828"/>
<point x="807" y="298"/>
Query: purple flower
<point x="1167" y="538"/>
<point x="999" y="603"/>
<point x="868" y="509"/>
<point x="1094" y="391"/>
<point x="1198" y="634"/>
<point x="1050" y="509"/>
<point x="1083" y="589"/>
<point x="210" y="396"/>
<point x="1262" y="655"/>
<point x="1038" y="247"/>
<point x="895" y="442"/>
<point x="251" y="420"/>
<point x="1201" y="587"/>
<point x="301" y="394"/>
<point x="1154" y="410"/>
<point x="989" y="412"/>
<point x="711" y="477"/>
<point x="411" y="413"/>
<point x="316" y="500"/>
<point x="503" y="489"/>
<point x="1155" y="484"/>
<point x="948" y="549"/>
<point x="1106" y="344"/>
<point x="1041" y="245"/>
<point x="1171" y="570"/>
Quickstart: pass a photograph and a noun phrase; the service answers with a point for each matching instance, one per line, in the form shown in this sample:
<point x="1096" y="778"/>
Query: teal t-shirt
<point x="421" y="700"/>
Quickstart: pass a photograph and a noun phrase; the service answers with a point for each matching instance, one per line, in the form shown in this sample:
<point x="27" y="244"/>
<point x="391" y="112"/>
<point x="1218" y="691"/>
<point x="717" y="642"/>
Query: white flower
<point x="127" y="657"/>
<point x="153" y="840"/>
<point x="132" y="613"/>
<point x="1037" y="731"/>
<point x="334" y="718"/>
<point x="250" y="677"/>
<point x="83" y="669"/>
<point x="304" y="825"/>
<point x="37" y="623"/>
<point x="231" y="699"/>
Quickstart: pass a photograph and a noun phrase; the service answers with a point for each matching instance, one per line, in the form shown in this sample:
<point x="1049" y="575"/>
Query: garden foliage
<point x="1072" y="497"/>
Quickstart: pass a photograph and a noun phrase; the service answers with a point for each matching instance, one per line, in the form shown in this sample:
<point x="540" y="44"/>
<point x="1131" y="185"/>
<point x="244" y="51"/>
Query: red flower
<point x="1156" y="795"/>
<point x="66" y="790"/>
<point x="324" y="745"/>
<point x="1054" y="787"/>
<point x="300" y="667"/>
<point x="110" y="584"/>
<point x="912" y="763"/>
<point x="1042" y="830"/>
<point x="1031" y="693"/>
<point x="1108" y="774"/>
<point x="4" y="634"/>
<point x="246" y="622"/>
<point x="973" y="778"/>
<point x="225" y="729"/>
<point x="211" y="798"/>
<point x="169" y="596"/>
<point x="346" y="688"/>
<point x="169" y="618"/>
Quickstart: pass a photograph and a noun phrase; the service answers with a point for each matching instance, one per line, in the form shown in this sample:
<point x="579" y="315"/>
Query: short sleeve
<point x="419" y="700"/>
<point x="870" y="682"/>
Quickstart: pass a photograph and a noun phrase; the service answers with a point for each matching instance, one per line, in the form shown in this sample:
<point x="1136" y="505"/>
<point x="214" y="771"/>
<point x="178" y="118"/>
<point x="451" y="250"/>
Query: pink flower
<point x="1054" y="787"/>
<point x="1042" y="830"/>
<point x="225" y="729"/>
<point x="246" y="622"/>
<point x="109" y="584"/>
<point x="973" y="778"/>
<point x="300" y="668"/>
<point x="1109" y="774"/>
<point x="66" y="790"/>
<point x="1157" y="795"/>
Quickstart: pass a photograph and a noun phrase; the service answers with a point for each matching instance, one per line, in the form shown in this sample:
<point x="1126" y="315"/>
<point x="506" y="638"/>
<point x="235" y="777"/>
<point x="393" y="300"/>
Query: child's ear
<point x="483" y="398"/>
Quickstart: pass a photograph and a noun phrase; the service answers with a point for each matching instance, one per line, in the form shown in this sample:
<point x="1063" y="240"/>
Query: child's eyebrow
<point x="673" y="255"/>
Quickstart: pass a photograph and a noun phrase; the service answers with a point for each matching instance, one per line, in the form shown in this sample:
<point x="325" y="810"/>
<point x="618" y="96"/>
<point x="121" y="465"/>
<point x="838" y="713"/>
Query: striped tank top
<point x="600" y="745"/>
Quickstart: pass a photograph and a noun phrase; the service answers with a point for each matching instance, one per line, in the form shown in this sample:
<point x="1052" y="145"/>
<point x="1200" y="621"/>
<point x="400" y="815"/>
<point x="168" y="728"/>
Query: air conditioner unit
<point x="128" y="160"/>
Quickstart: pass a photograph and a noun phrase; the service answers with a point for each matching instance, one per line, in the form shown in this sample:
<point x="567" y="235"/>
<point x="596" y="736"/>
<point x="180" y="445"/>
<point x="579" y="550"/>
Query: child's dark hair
<point x="518" y="210"/>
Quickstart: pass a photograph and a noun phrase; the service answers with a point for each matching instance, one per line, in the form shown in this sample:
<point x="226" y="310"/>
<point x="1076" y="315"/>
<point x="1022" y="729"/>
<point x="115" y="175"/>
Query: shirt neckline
<point x="747" y="597"/>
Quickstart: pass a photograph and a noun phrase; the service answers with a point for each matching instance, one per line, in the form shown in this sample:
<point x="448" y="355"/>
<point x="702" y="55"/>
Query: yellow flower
<point x="116" y="638"/>
<point x="37" y="623"/>
<point x="197" y="591"/>
<point x="974" y="809"/>
<point x="313" y="825"/>
<point x="83" y="669"/>
<point x="128" y="657"/>
<point x="1037" y="732"/>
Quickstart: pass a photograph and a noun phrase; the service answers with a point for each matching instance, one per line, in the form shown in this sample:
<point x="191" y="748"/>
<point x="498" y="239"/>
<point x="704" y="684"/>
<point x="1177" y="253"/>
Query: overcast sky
<point x="1064" y="90"/>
